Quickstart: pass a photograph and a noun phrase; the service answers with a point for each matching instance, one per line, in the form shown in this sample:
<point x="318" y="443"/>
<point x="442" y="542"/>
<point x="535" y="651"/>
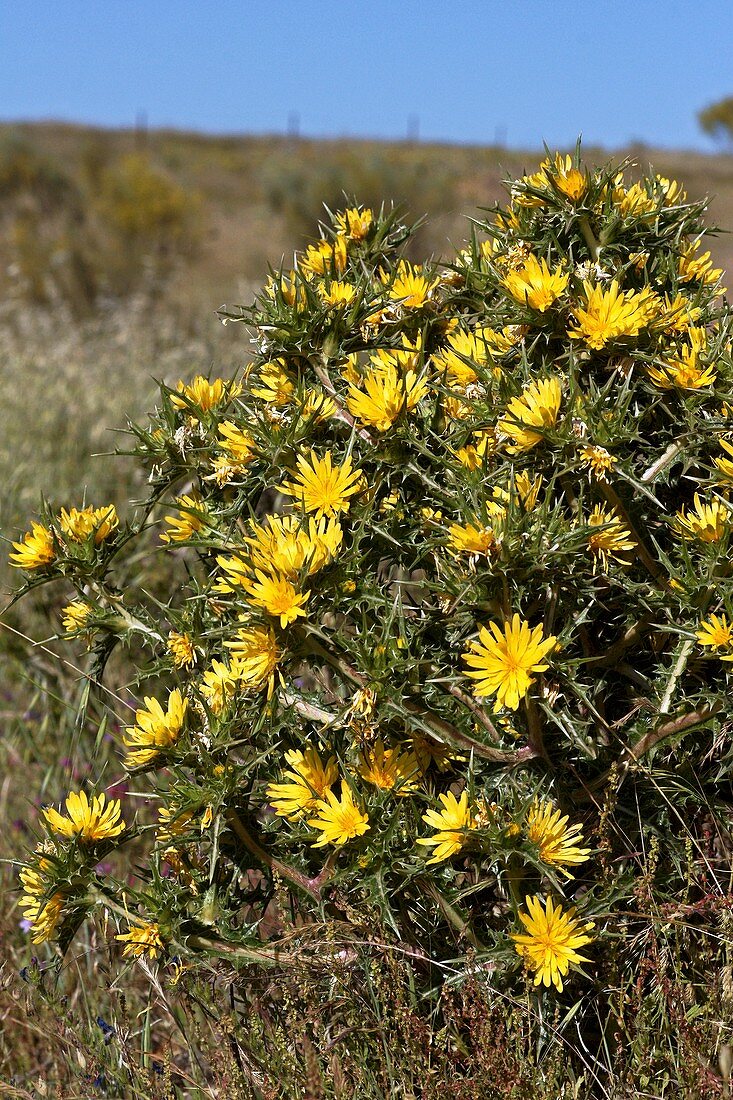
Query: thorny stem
<point x="682" y="659"/>
<point x="311" y="886"/>
<point x="593" y="245"/>
<point x="613" y="498"/>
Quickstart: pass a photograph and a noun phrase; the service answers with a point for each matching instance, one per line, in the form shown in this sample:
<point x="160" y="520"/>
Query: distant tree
<point x="717" y="120"/>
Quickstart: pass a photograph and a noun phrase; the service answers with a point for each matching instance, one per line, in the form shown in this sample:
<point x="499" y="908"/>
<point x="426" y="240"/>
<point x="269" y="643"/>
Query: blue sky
<point x="525" y="72"/>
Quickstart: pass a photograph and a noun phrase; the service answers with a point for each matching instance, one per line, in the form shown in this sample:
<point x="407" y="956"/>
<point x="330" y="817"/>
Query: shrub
<point x="440" y="664"/>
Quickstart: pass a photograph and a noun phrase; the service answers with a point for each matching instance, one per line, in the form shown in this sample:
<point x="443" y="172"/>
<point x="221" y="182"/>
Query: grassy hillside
<point x="235" y="204"/>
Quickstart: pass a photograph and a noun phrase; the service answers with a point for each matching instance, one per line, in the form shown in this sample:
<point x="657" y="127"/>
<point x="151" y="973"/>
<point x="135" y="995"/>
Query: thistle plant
<point x="444" y="633"/>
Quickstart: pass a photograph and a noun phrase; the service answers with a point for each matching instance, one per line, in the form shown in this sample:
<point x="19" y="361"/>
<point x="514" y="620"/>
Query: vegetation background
<point x="117" y="248"/>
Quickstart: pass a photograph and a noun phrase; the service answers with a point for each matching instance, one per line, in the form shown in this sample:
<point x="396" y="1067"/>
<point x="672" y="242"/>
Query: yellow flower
<point x="471" y="539"/>
<point x="77" y="525"/>
<point x="598" y="460"/>
<point x="533" y="284"/>
<point x="705" y="522"/>
<point x="716" y="633"/>
<point x="503" y="663"/>
<point x="337" y="294"/>
<point x="473" y="455"/>
<point x="453" y="824"/>
<point x="725" y="465"/>
<point x="276" y="596"/>
<point x="156" y="729"/>
<point x="388" y="769"/>
<point x="317" y="405"/>
<point x="310" y="780"/>
<point x="144" y="936"/>
<point x="203" y="393"/>
<point x="90" y="821"/>
<point x="323" y="488"/>
<point x="528" y="415"/>
<point x="558" y="844"/>
<point x="610" y="314"/>
<point x="236" y="444"/>
<point x="409" y="286"/>
<point x="219" y="684"/>
<point x="254" y="655"/>
<point x="192" y="519"/>
<point x="455" y="361"/>
<point x="684" y="372"/>
<point x="354" y="223"/>
<point x="569" y="180"/>
<point x="387" y="395"/>
<point x="36" y="549"/>
<point x="287" y="545"/>
<point x="182" y="650"/>
<point x="699" y="269"/>
<point x="635" y="202"/>
<point x="338" y="819"/>
<point x="609" y="538"/>
<point x="43" y="911"/>
<point x="549" y="945"/>
<point x="76" y="615"/>
<point x="324" y="258"/>
<point x="276" y="386"/>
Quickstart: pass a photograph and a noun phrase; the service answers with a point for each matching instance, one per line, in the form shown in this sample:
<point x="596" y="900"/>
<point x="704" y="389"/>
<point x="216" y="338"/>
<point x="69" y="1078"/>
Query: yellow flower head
<point x="75" y="616"/>
<point x="608" y="538"/>
<point x="717" y="633"/>
<point x="558" y="844"/>
<point x="276" y="596"/>
<point x="43" y="911"/>
<point x="287" y="544"/>
<point x="474" y="455"/>
<point x="383" y="395"/>
<point x="203" y="393"/>
<point x="684" y="371"/>
<point x="78" y="524"/>
<point x="236" y="444"/>
<point x="324" y="258"/>
<point x="143" y="938"/>
<point x="276" y="387"/>
<point x="704" y="522"/>
<point x="503" y="662"/>
<point x="610" y="314"/>
<point x="35" y="551"/>
<point x="90" y="821"/>
<point x="549" y="945"/>
<point x="181" y="649"/>
<point x="388" y="769"/>
<point x="218" y="686"/>
<point x="478" y="541"/>
<point x="567" y="179"/>
<point x="456" y="361"/>
<point x="528" y="415"/>
<point x="354" y="223"/>
<point x="337" y="295"/>
<point x="309" y="781"/>
<point x="699" y="269"/>
<point x="725" y="465"/>
<point x="339" y="819"/>
<point x="318" y="406"/>
<point x="155" y="730"/>
<point x="323" y="488"/>
<point x="409" y="286"/>
<point x="453" y="824"/>
<point x="254" y="655"/>
<point x="598" y="460"/>
<point x="190" y="520"/>
<point x="533" y="284"/>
